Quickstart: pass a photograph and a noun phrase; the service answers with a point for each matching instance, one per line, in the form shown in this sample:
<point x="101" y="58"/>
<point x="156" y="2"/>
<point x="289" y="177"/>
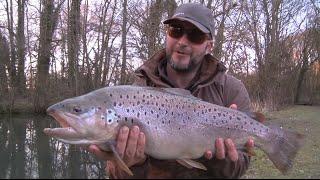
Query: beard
<point x="194" y="62"/>
<point x="179" y="67"/>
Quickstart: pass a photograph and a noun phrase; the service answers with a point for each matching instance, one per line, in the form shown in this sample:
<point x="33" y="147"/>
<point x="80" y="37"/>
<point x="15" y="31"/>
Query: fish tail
<point x="282" y="147"/>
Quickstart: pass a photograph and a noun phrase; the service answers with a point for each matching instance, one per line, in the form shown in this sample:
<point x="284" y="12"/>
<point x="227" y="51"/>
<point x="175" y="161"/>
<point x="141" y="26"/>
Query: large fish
<point x="176" y="125"/>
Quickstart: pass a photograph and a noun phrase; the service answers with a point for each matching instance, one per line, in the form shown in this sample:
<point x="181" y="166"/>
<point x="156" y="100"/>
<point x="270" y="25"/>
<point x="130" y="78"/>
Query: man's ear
<point x="209" y="47"/>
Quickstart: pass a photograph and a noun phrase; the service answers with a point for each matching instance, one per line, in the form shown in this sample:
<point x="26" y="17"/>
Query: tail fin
<point x="282" y="148"/>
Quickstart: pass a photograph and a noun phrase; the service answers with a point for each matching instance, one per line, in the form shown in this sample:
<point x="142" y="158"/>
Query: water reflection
<point x="26" y="152"/>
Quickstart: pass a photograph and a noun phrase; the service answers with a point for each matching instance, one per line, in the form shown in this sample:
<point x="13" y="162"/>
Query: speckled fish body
<point x="176" y="124"/>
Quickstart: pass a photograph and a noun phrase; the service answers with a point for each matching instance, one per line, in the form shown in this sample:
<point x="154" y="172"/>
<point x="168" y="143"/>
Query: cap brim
<point x="198" y="25"/>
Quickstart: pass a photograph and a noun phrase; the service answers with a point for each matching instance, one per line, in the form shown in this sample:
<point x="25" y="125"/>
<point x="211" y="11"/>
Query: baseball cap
<point x="195" y="13"/>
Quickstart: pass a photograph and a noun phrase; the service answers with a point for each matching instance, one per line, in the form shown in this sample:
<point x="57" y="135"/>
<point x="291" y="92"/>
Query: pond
<point x="26" y="152"/>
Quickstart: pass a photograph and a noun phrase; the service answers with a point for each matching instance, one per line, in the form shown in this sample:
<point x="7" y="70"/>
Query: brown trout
<point x="176" y="125"/>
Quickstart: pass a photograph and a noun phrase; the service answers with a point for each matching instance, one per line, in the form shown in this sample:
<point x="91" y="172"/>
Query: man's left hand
<point x="226" y="148"/>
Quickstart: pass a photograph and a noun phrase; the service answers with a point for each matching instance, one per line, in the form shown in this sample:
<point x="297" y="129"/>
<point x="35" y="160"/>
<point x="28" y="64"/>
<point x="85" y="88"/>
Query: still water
<point x="26" y="152"/>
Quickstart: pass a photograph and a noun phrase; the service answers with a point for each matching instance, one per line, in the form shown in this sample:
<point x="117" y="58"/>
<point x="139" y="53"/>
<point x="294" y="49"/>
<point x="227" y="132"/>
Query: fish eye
<point x="77" y="109"/>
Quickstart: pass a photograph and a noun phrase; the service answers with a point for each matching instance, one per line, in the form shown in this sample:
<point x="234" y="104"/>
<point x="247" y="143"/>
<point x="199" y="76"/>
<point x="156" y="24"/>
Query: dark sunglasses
<point x="194" y="35"/>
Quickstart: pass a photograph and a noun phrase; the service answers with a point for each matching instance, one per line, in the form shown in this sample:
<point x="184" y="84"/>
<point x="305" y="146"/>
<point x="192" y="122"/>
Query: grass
<point x="305" y="120"/>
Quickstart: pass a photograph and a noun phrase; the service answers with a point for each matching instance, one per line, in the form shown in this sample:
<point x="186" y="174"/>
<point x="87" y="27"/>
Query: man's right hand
<point x="130" y="146"/>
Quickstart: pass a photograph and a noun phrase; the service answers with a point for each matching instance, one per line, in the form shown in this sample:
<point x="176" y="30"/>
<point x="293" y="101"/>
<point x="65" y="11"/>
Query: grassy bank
<point x="306" y="120"/>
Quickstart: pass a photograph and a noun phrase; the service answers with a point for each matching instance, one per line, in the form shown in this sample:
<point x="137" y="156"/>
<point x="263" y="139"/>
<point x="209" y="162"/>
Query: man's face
<point x="185" y="53"/>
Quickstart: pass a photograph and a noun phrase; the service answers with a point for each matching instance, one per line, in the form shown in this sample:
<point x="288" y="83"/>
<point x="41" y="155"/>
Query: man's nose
<point x="183" y="40"/>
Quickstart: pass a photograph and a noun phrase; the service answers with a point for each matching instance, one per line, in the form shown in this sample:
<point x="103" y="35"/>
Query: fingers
<point x="122" y="140"/>
<point x="220" y="150"/>
<point x="250" y="146"/>
<point x="208" y="154"/>
<point x="132" y="144"/>
<point x="233" y="106"/>
<point x="231" y="150"/>
<point x="140" y="146"/>
<point x="224" y="148"/>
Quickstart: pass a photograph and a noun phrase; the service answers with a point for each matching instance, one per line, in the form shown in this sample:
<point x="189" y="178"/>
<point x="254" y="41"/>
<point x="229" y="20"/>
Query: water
<point x="26" y="152"/>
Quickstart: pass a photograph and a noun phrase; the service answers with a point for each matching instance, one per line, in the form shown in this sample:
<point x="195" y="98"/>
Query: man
<point x="186" y="63"/>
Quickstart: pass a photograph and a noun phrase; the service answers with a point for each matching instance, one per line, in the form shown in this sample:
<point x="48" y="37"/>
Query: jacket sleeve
<point x="234" y="92"/>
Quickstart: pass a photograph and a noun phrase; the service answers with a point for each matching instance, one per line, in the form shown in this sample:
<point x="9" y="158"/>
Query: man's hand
<point x="130" y="146"/>
<point x="226" y="147"/>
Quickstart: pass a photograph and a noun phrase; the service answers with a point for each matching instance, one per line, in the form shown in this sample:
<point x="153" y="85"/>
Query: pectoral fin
<point x="191" y="164"/>
<point x="119" y="161"/>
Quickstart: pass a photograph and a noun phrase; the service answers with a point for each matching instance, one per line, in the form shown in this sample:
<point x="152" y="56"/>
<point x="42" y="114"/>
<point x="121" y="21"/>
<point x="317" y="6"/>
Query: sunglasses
<point x="194" y="35"/>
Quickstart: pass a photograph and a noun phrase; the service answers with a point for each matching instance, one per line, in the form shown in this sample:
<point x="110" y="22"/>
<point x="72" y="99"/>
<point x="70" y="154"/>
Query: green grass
<point x="305" y="120"/>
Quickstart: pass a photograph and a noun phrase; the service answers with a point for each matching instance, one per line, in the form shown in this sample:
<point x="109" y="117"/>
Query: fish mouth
<point x="59" y="116"/>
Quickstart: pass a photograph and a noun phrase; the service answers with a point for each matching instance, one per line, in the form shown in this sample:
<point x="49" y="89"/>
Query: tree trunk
<point x="48" y="21"/>
<point x="124" y="44"/>
<point x="21" y="78"/>
<point x="12" y="64"/>
<point x="4" y="60"/>
<point x="73" y="46"/>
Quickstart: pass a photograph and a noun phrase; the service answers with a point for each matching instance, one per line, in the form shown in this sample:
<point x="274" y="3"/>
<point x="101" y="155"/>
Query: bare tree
<point x="21" y="78"/>
<point x="124" y="43"/>
<point x="4" y="61"/>
<point x="48" y="21"/>
<point x="74" y="46"/>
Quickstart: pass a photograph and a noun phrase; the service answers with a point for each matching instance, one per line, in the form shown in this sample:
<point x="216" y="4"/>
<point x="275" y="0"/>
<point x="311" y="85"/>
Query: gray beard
<point x="179" y="68"/>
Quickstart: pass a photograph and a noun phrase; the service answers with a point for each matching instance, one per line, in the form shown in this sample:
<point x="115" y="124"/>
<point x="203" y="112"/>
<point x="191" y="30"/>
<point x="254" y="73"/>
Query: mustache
<point x="182" y="48"/>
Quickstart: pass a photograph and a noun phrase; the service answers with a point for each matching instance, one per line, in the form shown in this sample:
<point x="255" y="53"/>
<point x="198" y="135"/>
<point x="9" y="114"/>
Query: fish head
<point x="84" y="119"/>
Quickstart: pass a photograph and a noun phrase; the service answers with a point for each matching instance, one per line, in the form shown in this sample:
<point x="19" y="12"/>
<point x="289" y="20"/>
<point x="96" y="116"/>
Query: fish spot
<point x="132" y="120"/>
<point x="214" y="109"/>
<point x="148" y="122"/>
<point x="230" y="117"/>
<point x="145" y="113"/>
<point x="128" y="110"/>
<point x="162" y="122"/>
<point x="134" y="97"/>
<point x="126" y="119"/>
<point x="138" y="114"/>
<point x="157" y="115"/>
<point x="110" y="95"/>
<point x="114" y="104"/>
<point x="151" y="111"/>
<point x="99" y="108"/>
<point x="120" y="96"/>
<point x="109" y="111"/>
<point x="238" y="118"/>
<point x="219" y="114"/>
